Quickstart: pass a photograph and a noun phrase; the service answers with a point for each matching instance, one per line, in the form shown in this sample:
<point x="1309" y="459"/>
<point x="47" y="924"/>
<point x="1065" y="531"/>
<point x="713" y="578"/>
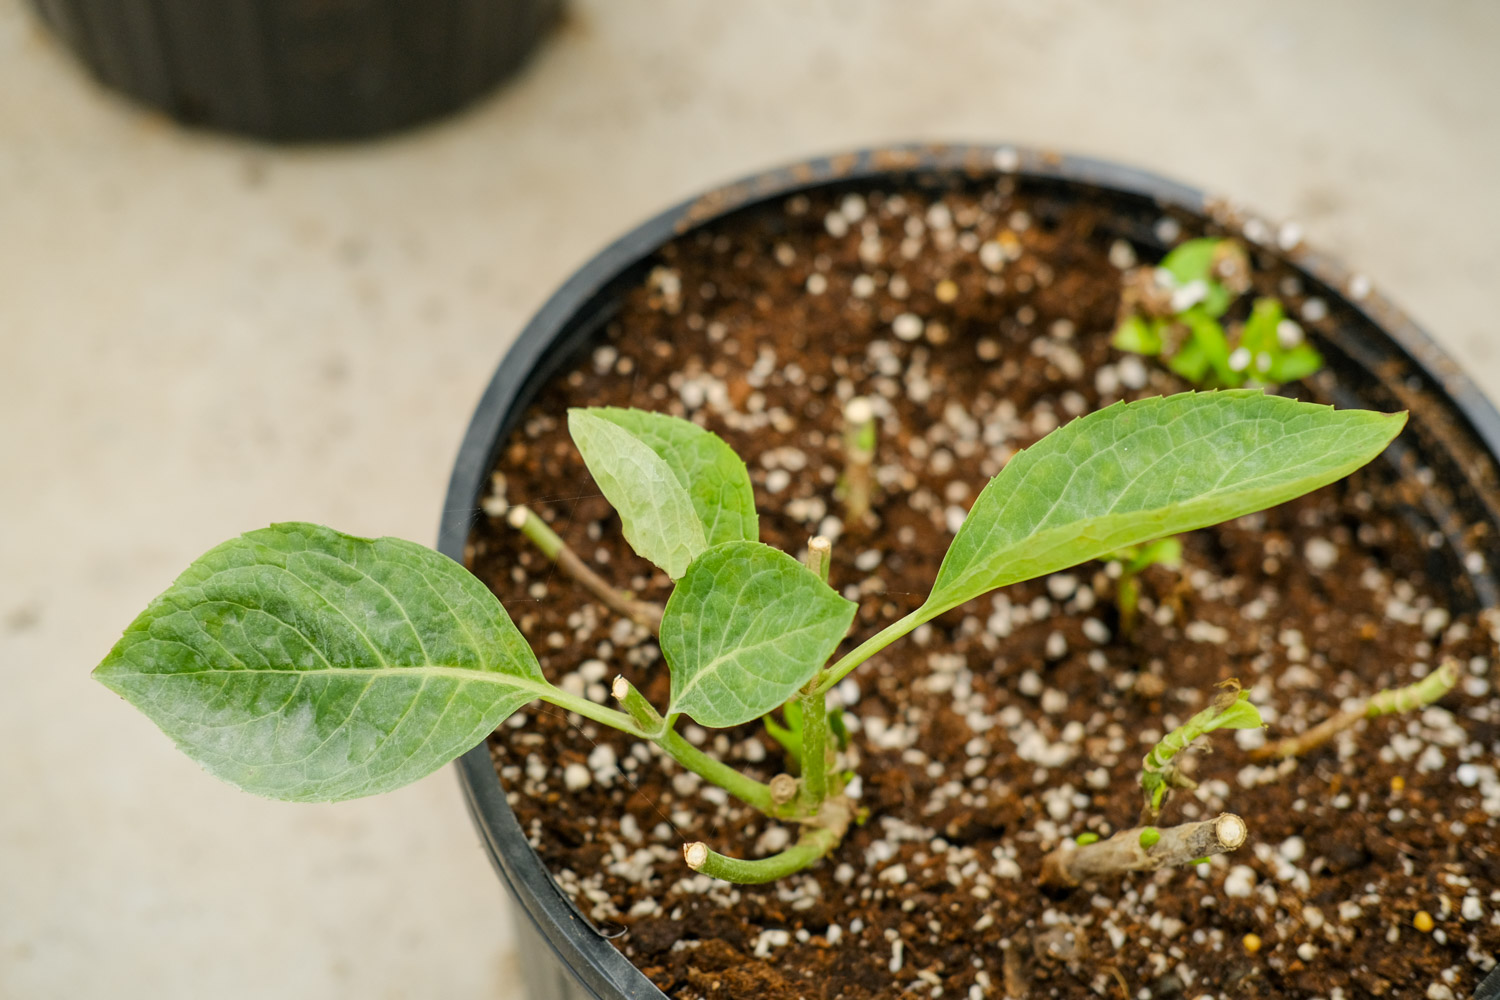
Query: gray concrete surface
<point x="199" y="335"/>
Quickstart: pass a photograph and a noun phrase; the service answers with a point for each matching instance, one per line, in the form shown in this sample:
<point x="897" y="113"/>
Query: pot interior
<point x="1375" y="359"/>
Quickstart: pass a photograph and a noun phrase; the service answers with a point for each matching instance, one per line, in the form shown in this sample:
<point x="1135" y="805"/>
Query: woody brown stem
<point x="1068" y="867"/>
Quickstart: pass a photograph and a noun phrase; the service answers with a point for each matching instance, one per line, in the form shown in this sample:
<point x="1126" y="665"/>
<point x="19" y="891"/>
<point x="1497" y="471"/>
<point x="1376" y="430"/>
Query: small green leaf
<point x="1150" y="837"/>
<point x="745" y="628"/>
<point x="1259" y="334"/>
<point x="656" y="511"/>
<point x="1216" y="303"/>
<point x="1298" y="363"/>
<point x="1191" y="362"/>
<point x="301" y="663"/>
<point x="1154" y="783"/>
<point x="1136" y="471"/>
<point x="1208" y="336"/>
<point x="1134" y="334"/>
<point x="1192" y="260"/>
<point x="1085" y="839"/>
<point x="713" y="475"/>
<point x="789" y="735"/>
<point x="1162" y="552"/>
<point x="1229" y="710"/>
<point x="1240" y="715"/>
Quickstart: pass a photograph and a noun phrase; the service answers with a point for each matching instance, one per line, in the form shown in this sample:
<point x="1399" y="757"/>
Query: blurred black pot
<point x="301" y="70"/>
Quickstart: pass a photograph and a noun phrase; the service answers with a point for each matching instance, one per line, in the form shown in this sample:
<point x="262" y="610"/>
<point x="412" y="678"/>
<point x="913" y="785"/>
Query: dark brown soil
<point x="987" y="738"/>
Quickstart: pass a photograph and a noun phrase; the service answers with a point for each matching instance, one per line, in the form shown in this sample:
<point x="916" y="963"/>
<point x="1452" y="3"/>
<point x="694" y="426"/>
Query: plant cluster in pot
<point x="913" y="702"/>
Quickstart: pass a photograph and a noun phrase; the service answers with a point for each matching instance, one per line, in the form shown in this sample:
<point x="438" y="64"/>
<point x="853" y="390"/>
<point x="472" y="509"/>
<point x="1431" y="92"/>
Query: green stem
<point x="1129" y="599"/>
<point x="756" y="794"/>
<point x="651" y="726"/>
<point x="550" y="545"/>
<point x="1403" y="699"/>
<point x="1424" y="692"/>
<point x="814" y="844"/>
<point x="591" y="710"/>
<point x="814" y="751"/>
<point x="641" y="710"/>
<point x="537" y="531"/>
<point x="648" y="724"/>
<point x="859" y="654"/>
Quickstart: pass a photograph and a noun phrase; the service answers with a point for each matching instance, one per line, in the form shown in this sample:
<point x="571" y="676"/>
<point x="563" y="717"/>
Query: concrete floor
<point x="199" y="336"/>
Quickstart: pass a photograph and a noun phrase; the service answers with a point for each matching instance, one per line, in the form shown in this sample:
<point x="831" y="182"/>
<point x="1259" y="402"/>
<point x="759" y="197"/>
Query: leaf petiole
<point x="592" y="710"/>
<point x="648" y="724"/>
<point x="859" y="654"/>
<point x="749" y="791"/>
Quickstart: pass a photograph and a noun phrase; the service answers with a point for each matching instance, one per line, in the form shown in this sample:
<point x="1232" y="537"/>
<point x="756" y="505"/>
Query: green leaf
<point x="1191" y="362"/>
<point x="1137" y="471"/>
<point x="656" y="511"/>
<point x="713" y="475"/>
<point x="1259" y="334"/>
<point x="301" y="663"/>
<point x="1216" y="303"/>
<point x="789" y="735"/>
<point x="1161" y="552"/>
<point x="1209" y="337"/>
<point x="1229" y="710"/>
<point x="1134" y="334"/>
<point x="744" y="629"/>
<point x="1192" y="260"/>
<point x="1150" y="837"/>
<point x="1240" y="715"/>
<point x="1289" y="366"/>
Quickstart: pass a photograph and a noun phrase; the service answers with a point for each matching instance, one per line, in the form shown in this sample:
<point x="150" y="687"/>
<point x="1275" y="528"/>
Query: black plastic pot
<point x="1381" y="360"/>
<point x="1490" y="988"/>
<point x="301" y="70"/>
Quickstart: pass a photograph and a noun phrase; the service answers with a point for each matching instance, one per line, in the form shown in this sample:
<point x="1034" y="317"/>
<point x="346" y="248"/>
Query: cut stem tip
<point x="859" y="410"/>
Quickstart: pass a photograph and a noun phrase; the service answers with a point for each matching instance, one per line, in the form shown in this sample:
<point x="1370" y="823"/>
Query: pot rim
<point x="605" y="972"/>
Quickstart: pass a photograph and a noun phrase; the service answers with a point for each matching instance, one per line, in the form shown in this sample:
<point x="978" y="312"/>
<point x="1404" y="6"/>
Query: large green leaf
<point x="713" y="475"/>
<point x="301" y="663"/>
<point x="1137" y="471"/>
<point x="744" y="629"/>
<point x="656" y="511"/>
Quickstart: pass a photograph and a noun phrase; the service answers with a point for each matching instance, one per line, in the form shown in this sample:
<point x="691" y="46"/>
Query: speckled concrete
<point x="199" y="335"/>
